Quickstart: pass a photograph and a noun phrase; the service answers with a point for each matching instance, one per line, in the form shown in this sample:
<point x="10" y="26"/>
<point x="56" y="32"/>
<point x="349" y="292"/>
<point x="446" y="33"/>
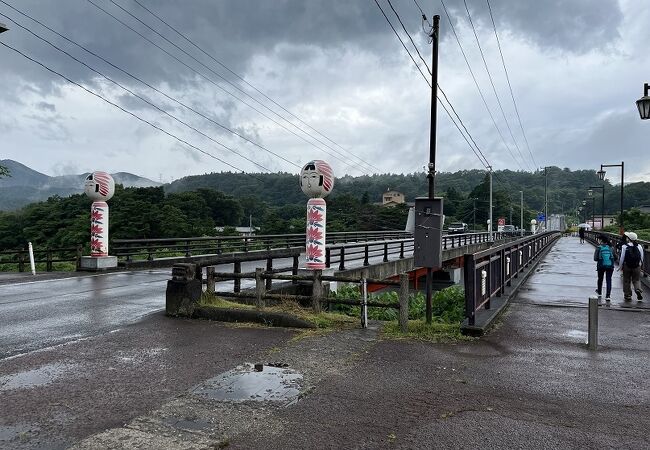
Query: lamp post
<point x="580" y="215"/>
<point x="491" y="237"/>
<point x="546" y="196"/>
<point x="602" y="209"/>
<point x="593" y="208"/>
<point x="644" y="103"/>
<point x="601" y="176"/>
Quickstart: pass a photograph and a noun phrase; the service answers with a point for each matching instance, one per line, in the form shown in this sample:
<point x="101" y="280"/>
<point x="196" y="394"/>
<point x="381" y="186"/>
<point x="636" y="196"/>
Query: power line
<point x="210" y="80"/>
<point x="509" y="85"/>
<point x="439" y="87"/>
<point x="150" y="86"/>
<point x="424" y="16"/>
<point x="480" y="91"/>
<point x="348" y="164"/>
<point x="173" y="136"/>
<point x="220" y="63"/>
<point x="168" y="114"/>
<point x="492" y="83"/>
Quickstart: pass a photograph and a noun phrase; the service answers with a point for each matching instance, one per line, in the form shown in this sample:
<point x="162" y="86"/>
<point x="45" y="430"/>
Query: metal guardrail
<point x="489" y="272"/>
<point x="592" y="236"/>
<point x="150" y="249"/>
<point x="47" y="256"/>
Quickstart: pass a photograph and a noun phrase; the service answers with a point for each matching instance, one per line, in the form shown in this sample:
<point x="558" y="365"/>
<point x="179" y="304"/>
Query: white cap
<point x="631" y="235"/>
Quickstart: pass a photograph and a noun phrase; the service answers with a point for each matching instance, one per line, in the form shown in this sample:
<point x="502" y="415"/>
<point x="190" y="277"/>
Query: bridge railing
<point x="151" y="249"/>
<point x="489" y="272"/>
<point x="19" y="259"/>
<point x="592" y="236"/>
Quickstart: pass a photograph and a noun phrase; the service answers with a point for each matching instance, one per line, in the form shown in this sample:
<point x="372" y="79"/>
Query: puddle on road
<point x="276" y="384"/>
<point x="35" y="377"/>
<point x="21" y="432"/>
<point x="578" y="334"/>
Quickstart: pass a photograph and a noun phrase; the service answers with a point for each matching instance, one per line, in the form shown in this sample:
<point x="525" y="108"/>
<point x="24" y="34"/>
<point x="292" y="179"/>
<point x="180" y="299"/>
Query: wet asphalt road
<point x="40" y="314"/>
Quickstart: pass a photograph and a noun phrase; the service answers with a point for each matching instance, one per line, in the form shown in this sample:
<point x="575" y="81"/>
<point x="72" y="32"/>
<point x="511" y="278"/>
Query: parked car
<point x="511" y="229"/>
<point x="457" y="227"/>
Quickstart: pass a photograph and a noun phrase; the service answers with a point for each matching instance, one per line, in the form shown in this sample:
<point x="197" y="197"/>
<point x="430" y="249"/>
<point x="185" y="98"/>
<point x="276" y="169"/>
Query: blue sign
<point x="541" y="217"/>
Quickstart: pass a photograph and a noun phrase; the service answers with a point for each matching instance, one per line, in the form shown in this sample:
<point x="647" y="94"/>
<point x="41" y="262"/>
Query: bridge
<point x="62" y="338"/>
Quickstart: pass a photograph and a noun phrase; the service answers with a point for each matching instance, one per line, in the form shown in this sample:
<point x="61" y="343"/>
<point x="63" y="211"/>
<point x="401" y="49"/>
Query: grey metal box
<point x="428" y="232"/>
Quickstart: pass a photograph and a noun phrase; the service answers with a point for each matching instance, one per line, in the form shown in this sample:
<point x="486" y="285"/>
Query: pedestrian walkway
<point x="567" y="277"/>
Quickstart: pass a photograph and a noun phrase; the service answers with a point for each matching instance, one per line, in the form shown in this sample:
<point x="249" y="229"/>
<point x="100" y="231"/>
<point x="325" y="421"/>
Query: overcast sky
<point x="576" y="68"/>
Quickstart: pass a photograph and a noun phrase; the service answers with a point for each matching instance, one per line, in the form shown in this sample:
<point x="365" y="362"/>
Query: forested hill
<point x="566" y="188"/>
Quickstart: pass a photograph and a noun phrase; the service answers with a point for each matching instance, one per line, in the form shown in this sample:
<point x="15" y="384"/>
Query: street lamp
<point x="601" y="176"/>
<point x="602" y="210"/>
<point x="593" y="209"/>
<point x="644" y="103"/>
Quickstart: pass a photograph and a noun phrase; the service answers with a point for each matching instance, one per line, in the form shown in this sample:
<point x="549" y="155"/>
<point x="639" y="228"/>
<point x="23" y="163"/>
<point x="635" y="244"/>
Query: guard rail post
<point x="269" y="270"/>
<point x="210" y="281"/>
<point x="317" y="290"/>
<point x="260" y="287"/>
<point x="237" y="281"/>
<point x="592" y="337"/>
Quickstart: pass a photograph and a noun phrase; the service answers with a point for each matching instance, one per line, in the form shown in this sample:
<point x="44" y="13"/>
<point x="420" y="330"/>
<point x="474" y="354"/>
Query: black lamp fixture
<point x="4" y="28"/>
<point x="644" y="103"/>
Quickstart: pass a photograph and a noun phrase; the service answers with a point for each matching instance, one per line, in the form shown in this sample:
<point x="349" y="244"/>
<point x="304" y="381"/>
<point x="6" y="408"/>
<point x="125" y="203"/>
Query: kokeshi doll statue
<point x="316" y="181"/>
<point x="100" y="187"/>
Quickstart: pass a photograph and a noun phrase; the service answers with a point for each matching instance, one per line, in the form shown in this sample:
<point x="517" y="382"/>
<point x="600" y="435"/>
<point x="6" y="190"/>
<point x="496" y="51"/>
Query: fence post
<point x="237" y="281"/>
<point x="385" y="251"/>
<point x="269" y="270"/>
<point x="294" y="269"/>
<point x="187" y="249"/>
<point x="470" y="288"/>
<point x="260" y="287"/>
<point x="401" y="250"/>
<point x="403" y="302"/>
<point x="79" y="253"/>
<point x="365" y="255"/>
<point x="210" y="281"/>
<point x="364" y="303"/>
<point x="342" y="259"/>
<point x="317" y="290"/>
<point x="21" y="261"/>
<point x="328" y="256"/>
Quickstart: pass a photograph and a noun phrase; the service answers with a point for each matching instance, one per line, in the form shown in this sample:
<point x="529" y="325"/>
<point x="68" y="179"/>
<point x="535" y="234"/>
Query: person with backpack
<point x="604" y="257"/>
<point x="630" y="263"/>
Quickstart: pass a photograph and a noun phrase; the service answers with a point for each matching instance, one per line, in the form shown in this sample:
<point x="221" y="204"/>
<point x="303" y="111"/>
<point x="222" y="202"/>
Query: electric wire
<point x="484" y="163"/>
<point x="168" y="114"/>
<point x="424" y="16"/>
<point x="480" y="91"/>
<point x="151" y="124"/>
<point x="494" y="89"/>
<point x="151" y="87"/>
<point x="503" y="61"/>
<point x="348" y="164"/>
<point x="242" y="79"/>
<point x="210" y="80"/>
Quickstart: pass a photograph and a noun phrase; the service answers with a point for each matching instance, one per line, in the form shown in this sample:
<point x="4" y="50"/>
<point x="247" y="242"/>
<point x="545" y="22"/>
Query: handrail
<point x="592" y="236"/>
<point x="489" y="272"/>
<point x="49" y="256"/>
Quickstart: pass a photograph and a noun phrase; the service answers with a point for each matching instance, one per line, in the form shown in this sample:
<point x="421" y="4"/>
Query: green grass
<point x="322" y="319"/>
<point x="435" y="332"/>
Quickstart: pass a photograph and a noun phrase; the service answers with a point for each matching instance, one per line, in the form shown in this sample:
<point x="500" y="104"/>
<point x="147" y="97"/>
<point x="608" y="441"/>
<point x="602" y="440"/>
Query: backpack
<point x="605" y="257"/>
<point x="632" y="257"/>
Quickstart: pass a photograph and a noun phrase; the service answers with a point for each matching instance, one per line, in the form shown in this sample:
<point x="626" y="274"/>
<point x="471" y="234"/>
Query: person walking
<point x="581" y="233"/>
<point x="630" y="263"/>
<point x="604" y="257"/>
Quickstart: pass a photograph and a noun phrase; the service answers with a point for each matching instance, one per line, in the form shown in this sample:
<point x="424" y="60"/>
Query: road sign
<point x="541" y="217"/>
<point x="502" y="221"/>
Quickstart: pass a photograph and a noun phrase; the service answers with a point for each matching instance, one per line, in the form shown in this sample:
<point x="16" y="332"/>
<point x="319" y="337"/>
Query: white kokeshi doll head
<point x="317" y="179"/>
<point x="99" y="186"/>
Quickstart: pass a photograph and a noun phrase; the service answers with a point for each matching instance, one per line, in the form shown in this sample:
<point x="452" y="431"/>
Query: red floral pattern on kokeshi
<point x="315" y="234"/>
<point x="99" y="229"/>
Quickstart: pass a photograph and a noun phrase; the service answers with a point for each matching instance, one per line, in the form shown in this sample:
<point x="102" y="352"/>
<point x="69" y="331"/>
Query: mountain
<point x="26" y="185"/>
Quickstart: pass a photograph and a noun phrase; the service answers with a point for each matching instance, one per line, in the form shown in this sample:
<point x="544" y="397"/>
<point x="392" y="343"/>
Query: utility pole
<point x="521" y="226"/>
<point x="474" y="213"/>
<point x="545" y="197"/>
<point x="510" y="213"/>
<point x="490" y="233"/>
<point x="435" y="34"/>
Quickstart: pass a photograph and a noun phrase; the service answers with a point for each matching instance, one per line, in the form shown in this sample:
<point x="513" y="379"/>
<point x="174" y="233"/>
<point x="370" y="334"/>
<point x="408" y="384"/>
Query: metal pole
<point x="434" y="105"/>
<point x="522" y="213"/>
<point x="490" y="233"/>
<point x="622" y="230"/>
<point x="602" y="210"/>
<point x="474" y="213"/>
<point x="592" y="341"/>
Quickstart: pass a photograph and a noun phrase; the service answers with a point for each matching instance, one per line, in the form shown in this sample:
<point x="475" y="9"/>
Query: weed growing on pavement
<point x="434" y="332"/>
